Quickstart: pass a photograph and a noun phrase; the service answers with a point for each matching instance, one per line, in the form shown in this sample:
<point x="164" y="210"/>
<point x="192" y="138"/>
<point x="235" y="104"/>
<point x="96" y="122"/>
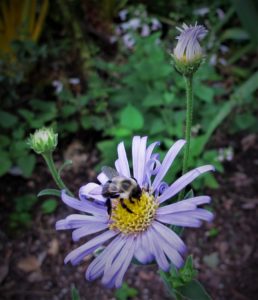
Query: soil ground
<point x="31" y="261"/>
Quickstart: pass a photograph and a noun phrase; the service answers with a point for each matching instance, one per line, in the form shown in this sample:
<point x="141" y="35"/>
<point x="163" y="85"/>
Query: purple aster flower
<point x="188" y="47"/>
<point x="142" y="233"/>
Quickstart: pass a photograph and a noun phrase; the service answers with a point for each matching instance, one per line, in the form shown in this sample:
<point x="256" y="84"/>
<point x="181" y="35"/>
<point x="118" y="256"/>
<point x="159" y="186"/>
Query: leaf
<point x="25" y="203"/>
<point x="193" y="291"/>
<point x="240" y="94"/>
<point x="49" y="206"/>
<point x="75" y="294"/>
<point x="190" y="194"/>
<point x="205" y="93"/>
<point x="131" y="118"/>
<point x="248" y="14"/>
<point x="125" y="292"/>
<point x="7" y="120"/>
<point x="237" y="34"/>
<point x="27" y="164"/>
<point x="5" y="163"/>
<point x="49" y="192"/>
<point x="4" y="140"/>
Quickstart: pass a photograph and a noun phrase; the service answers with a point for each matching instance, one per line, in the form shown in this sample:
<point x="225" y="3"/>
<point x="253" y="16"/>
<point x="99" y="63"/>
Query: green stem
<point x="188" y="126"/>
<point x="52" y="168"/>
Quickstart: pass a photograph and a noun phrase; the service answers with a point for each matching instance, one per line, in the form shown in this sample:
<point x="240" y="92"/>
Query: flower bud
<point x="43" y="140"/>
<point x="188" y="53"/>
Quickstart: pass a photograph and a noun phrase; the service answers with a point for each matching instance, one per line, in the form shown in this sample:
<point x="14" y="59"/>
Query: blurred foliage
<point x="19" y="21"/>
<point x="182" y="283"/>
<point x="125" y="292"/>
<point x="105" y="85"/>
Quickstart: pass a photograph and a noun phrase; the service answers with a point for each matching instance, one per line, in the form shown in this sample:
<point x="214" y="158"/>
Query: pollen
<point x="142" y="215"/>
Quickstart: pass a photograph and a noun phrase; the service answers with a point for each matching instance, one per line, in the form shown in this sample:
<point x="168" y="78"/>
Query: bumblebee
<point x="119" y="187"/>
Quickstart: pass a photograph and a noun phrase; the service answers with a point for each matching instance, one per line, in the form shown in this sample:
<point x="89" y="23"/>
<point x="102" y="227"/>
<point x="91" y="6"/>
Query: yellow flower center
<point x="139" y="219"/>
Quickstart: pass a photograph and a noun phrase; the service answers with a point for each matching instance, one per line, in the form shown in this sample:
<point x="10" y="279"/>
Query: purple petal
<point x="167" y="162"/>
<point x="150" y="150"/>
<point x="92" y="190"/>
<point x="139" y="154"/>
<point x="117" y="165"/>
<point x="187" y="218"/>
<point x="170" y="252"/>
<point x="157" y="250"/>
<point x="120" y="264"/>
<point x="179" y="220"/>
<point x="200" y="213"/>
<point x="126" y="263"/>
<point x="142" y="249"/>
<point x="76" y="221"/>
<point x="184" y="205"/>
<point x="176" y="207"/>
<point x="183" y="181"/>
<point x="135" y="146"/>
<point x="87" y="230"/>
<point x="85" y="205"/>
<point x="170" y="236"/>
<point x="199" y="200"/>
<point x="78" y="254"/>
<point x="102" y="178"/>
<point x="96" y="268"/>
<point x="123" y="161"/>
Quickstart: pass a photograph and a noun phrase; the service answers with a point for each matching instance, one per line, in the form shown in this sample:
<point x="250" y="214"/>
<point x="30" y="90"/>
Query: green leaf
<point x="67" y="110"/>
<point x="190" y="194"/>
<point x="4" y="140"/>
<point x="204" y="92"/>
<point x="49" y="192"/>
<point x="213" y="232"/>
<point x="240" y="94"/>
<point x="18" y="219"/>
<point x="131" y="118"/>
<point x="125" y="292"/>
<point x="75" y="293"/>
<point x="7" y="120"/>
<point x="25" y="203"/>
<point x="194" y="291"/>
<point x="211" y="181"/>
<point x="248" y="14"/>
<point x="5" y="163"/>
<point x="237" y="34"/>
<point x="27" y="164"/>
<point x="85" y="122"/>
<point x="49" y="206"/>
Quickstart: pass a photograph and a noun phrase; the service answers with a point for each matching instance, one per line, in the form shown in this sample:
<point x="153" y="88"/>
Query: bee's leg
<point x="124" y="206"/>
<point x="131" y="200"/>
<point x="109" y="206"/>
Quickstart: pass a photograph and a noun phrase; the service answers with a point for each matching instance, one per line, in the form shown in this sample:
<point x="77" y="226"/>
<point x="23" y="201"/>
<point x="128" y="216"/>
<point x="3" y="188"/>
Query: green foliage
<point x="49" y="192"/>
<point x="125" y="292"/>
<point x="182" y="283"/>
<point x="150" y="100"/>
<point x="248" y="14"/>
<point x="23" y="205"/>
<point x="75" y="294"/>
<point x="49" y="206"/>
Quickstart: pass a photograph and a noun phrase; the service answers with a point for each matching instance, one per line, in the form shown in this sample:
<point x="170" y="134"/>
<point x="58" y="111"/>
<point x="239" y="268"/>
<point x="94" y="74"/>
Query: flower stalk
<point x="48" y="156"/>
<point x="188" y="124"/>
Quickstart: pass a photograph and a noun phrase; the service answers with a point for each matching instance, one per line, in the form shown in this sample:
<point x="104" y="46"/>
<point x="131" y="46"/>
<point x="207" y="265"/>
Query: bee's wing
<point x="109" y="172"/>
